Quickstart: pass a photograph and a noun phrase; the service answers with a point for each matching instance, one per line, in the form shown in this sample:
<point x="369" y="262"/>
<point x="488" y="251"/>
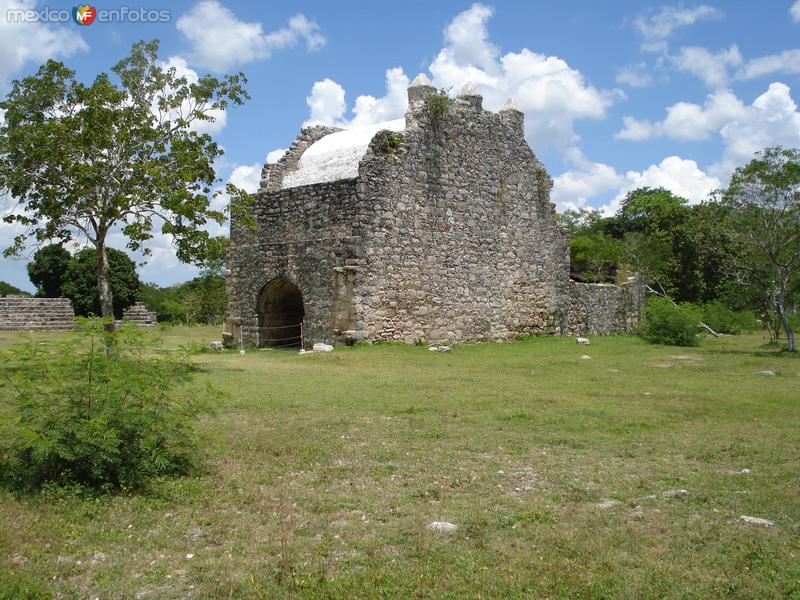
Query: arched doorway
<point x="280" y="314"/>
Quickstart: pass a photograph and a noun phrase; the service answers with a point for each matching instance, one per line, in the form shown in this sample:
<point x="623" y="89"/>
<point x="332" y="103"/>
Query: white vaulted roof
<point x="336" y="156"/>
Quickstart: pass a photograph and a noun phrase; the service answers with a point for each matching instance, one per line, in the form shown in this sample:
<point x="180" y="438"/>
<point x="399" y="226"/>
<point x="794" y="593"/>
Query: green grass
<point x="323" y="471"/>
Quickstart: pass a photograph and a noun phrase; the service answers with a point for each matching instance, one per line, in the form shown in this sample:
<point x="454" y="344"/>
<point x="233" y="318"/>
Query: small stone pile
<point x="139" y="315"/>
<point x="23" y="313"/>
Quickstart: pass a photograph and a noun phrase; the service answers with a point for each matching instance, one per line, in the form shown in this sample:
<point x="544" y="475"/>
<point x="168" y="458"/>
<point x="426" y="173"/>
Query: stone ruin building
<point x="436" y="227"/>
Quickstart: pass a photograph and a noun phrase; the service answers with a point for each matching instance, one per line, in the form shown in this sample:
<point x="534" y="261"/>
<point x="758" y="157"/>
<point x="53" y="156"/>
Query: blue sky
<point x="616" y="95"/>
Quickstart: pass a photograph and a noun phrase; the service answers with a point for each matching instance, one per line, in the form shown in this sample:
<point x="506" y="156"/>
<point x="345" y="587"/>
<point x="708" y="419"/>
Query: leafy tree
<point x="205" y="298"/>
<point x="6" y="289"/>
<point x="80" y="284"/>
<point x="124" y="154"/>
<point x="595" y="256"/>
<point x="165" y="302"/>
<point x="764" y="202"/>
<point x="46" y="270"/>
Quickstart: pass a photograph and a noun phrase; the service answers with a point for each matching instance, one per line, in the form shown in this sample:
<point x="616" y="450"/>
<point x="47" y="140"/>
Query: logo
<point x="83" y="14"/>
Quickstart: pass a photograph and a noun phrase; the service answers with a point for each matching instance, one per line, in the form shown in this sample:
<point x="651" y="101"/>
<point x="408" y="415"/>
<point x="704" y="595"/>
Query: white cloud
<point x="656" y="28"/>
<point x="686" y="121"/>
<point x="711" y="68"/>
<point x="634" y="75"/>
<point x="680" y="176"/>
<point x="274" y="156"/>
<point x="467" y="39"/>
<point x="772" y="120"/>
<point x="328" y="106"/>
<point x="247" y="177"/>
<point x="794" y="11"/>
<point x="326" y="103"/>
<point x="573" y="189"/>
<point x="551" y="93"/>
<point x="369" y="110"/>
<point x="23" y="43"/>
<point x="299" y="27"/>
<point x="576" y="188"/>
<point x="635" y="130"/>
<point x="785" y="62"/>
<point x="221" y="41"/>
<point x="219" y="117"/>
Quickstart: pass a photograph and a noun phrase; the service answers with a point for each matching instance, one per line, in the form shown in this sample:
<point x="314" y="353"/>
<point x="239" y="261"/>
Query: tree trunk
<point x="103" y="285"/>
<point x="786" y="326"/>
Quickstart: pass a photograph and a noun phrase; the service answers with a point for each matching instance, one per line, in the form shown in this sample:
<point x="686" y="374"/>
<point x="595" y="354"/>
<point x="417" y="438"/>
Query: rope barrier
<point x="294" y="337"/>
<point x="280" y="326"/>
<point x="285" y="346"/>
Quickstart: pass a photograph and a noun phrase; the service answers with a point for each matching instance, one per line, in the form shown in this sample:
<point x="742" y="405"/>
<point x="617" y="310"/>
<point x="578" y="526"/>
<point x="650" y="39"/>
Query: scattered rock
<point x="189" y="556"/>
<point x="613" y="370"/>
<point x="320" y="347"/>
<point x="757" y="521"/>
<point x="674" y="493"/>
<point x="17" y="560"/>
<point x="99" y="557"/>
<point x="433" y="348"/>
<point x="442" y="526"/>
<point x="604" y="504"/>
<point x="739" y="472"/>
<point x="216" y="346"/>
<point x="765" y="373"/>
<point x="647" y="394"/>
<point x="582" y="340"/>
<point x="443" y="349"/>
<point x="586" y="357"/>
<point x="663" y="365"/>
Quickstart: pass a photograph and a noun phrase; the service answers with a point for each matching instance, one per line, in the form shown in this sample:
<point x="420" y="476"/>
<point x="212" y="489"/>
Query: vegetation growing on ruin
<point x="387" y="142"/>
<point x="438" y="105"/>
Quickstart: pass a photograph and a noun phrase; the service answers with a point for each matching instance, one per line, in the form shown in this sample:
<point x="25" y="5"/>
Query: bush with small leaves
<point x="666" y="323"/>
<point x="102" y="410"/>
<point x="723" y="319"/>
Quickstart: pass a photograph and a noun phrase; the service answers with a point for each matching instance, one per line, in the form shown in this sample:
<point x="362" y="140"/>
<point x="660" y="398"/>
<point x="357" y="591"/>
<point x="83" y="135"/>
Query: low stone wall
<point x="139" y="315"/>
<point x="24" y="313"/>
<point x="603" y="308"/>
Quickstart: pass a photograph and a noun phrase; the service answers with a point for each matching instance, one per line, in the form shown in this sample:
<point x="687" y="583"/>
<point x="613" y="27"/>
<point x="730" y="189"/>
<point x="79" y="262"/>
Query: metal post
<point x="302" y="343"/>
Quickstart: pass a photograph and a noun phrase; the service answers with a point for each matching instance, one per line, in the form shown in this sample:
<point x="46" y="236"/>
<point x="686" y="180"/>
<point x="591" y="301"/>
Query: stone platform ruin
<point x="24" y="313"/>
<point x="437" y="227"/>
<point x="138" y="314"/>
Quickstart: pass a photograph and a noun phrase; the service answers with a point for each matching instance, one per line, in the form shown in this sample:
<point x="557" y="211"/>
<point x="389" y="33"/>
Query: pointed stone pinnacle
<point x="468" y="90"/>
<point x="511" y="104"/>
<point x="421" y="80"/>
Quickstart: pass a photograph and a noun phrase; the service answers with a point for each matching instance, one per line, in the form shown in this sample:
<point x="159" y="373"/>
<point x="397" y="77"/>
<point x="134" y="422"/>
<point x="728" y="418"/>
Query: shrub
<point x="98" y="409"/>
<point x="665" y="323"/>
<point x="725" y="320"/>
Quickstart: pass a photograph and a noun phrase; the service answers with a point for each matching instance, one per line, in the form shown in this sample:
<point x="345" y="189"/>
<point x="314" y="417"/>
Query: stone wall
<point x="462" y="241"/>
<point x="36" y="314"/>
<point x="603" y="308"/>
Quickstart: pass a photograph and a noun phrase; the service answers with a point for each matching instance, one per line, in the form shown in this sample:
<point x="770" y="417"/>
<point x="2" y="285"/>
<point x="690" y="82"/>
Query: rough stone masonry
<point x="435" y="228"/>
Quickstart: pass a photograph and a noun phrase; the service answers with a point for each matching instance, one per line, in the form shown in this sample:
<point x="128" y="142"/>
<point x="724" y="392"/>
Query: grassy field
<point x="563" y="474"/>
